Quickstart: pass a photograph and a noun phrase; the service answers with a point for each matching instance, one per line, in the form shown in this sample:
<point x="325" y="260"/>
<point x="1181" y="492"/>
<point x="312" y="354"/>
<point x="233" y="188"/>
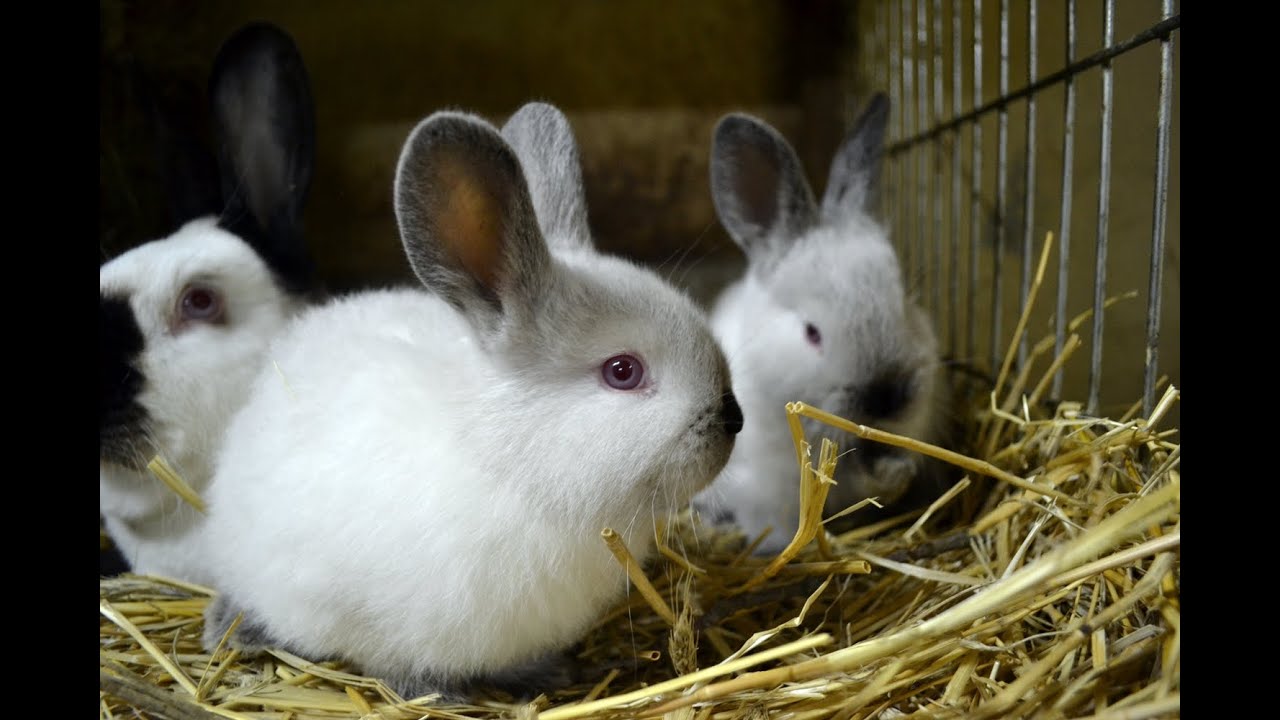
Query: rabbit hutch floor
<point x="1045" y="583"/>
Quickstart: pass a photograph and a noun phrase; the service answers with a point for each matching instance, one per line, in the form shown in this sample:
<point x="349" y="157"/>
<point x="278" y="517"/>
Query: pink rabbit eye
<point x="812" y="335"/>
<point x="623" y="372"/>
<point x="200" y="303"/>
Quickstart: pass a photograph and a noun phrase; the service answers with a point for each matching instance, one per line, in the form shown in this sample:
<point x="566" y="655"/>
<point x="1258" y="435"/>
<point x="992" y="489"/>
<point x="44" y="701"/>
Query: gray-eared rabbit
<point x="185" y="320"/>
<point x="418" y="484"/>
<point x="821" y="316"/>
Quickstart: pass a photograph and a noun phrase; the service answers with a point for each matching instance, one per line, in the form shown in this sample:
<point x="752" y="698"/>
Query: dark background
<point x="642" y="81"/>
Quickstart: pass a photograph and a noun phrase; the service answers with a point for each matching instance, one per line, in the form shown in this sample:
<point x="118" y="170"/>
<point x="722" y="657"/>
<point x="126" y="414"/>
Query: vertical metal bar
<point x="889" y="194"/>
<point x="908" y="98"/>
<point x="936" y="173"/>
<point x="1104" y="201"/>
<point x="975" y="210"/>
<point x="957" y="91"/>
<point x="1002" y="189"/>
<point x="922" y="168"/>
<point x="1029" y="210"/>
<point x="894" y="87"/>
<point x="1158" y="221"/>
<point x="1064" y="229"/>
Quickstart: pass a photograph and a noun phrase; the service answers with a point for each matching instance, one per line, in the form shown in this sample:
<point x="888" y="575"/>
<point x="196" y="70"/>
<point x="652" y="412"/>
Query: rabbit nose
<point x="731" y="414"/>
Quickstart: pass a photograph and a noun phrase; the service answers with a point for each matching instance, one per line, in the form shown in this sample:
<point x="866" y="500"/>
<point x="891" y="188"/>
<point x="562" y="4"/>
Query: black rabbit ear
<point x="265" y="136"/>
<point x="855" y="171"/>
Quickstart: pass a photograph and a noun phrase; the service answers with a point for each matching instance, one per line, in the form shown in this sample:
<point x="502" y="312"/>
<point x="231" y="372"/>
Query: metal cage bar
<point x="975" y="206"/>
<point x="1064" y="226"/>
<point x="1156" y="287"/>
<point x="957" y="181"/>
<point x="1002" y="191"/>
<point x="922" y="156"/>
<point x="1029" y="208"/>
<point x="915" y="36"/>
<point x="936" y="276"/>
<point x="1104" y="208"/>
<point x="1105" y="55"/>
<point x="908" y="124"/>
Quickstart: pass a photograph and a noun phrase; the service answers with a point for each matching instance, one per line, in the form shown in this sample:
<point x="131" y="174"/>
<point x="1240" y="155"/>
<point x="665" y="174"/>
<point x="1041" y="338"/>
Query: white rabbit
<point x="185" y="320"/>
<point x="419" y="482"/>
<point x="820" y="316"/>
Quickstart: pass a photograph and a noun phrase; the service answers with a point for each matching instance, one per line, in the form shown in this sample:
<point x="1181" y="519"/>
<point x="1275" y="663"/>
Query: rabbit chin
<point x="152" y="527"/>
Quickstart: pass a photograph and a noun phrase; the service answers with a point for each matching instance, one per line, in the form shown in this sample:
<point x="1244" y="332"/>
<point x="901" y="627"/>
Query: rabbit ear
<point x="758" y="186"/>
<point x="541" y="137"/>
<point x="855" y="170"/>
<point x="467" y="220"/>
<point x="264" y="133"/>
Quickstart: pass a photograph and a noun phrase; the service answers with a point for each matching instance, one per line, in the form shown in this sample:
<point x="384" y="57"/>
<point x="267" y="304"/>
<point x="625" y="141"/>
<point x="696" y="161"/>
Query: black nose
<point x="731" y="414"/>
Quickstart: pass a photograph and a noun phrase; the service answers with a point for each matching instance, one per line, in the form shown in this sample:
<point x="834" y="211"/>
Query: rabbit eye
<point x="200" y="303"/>
<point x="812" y="335"/>
<point x="623" y="372"/>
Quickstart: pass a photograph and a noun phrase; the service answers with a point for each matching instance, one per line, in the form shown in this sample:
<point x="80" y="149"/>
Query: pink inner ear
<point x="470" y="223"/>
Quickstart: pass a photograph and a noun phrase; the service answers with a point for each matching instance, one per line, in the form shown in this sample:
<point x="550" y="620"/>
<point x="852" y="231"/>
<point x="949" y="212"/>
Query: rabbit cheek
<point x="122" y="419"/>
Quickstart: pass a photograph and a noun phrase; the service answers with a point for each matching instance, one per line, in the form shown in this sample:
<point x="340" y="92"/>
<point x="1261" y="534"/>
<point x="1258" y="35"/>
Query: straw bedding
<point x="1045" y="584"/>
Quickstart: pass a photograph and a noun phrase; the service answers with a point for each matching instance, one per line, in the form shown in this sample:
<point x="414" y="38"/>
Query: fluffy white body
<point x="420" y="478"/>
<point x="463" y="566"/>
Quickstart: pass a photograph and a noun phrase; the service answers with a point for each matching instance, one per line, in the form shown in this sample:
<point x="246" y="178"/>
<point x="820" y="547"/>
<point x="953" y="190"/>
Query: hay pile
<point x="1045" y="584"/>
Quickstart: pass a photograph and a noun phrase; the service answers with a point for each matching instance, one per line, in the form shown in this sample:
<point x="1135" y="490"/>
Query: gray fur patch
<point x="541" y="137"/>
<point x="758" y="187"/>
<point x="854" y="178"/>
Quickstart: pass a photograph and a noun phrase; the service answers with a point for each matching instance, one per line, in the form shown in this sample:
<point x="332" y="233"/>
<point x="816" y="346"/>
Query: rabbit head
<point x="821" y="316"/>
<point x="184" y="320"/>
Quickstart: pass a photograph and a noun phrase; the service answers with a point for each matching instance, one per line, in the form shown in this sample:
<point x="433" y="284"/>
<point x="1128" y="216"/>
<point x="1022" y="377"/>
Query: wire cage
<point x="1015" y="119"/>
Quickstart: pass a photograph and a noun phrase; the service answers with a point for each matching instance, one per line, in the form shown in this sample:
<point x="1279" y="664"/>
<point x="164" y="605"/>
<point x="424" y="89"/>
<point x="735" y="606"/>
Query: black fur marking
<point x="523" y="682"/>
<point x="280" y="245"/>
<point x="251" y="636"/>
<point x="870" y="451"/>
<point x="886" y="396"/>
<point x="111" y="562"/>
<point x="121" y="418"/>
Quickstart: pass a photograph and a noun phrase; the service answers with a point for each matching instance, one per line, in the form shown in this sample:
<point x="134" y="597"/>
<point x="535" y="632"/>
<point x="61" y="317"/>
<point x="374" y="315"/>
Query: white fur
<point x="422" y="493"/>
<point x="836" y="270"/>
<point x="197" y="374"/>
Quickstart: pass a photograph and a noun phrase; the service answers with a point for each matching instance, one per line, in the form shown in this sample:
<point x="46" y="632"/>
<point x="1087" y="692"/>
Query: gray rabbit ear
<point x="541" y="137"/>
<point x="758" y="187"/>
<point x="265" y="137"/>
<point x="467" y="221"/>
<point x="855" y="171"/>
